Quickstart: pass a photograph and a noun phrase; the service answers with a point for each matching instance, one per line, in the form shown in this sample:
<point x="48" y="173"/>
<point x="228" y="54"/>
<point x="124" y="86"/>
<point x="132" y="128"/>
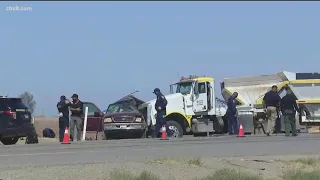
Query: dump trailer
<point x="251" y="90"/>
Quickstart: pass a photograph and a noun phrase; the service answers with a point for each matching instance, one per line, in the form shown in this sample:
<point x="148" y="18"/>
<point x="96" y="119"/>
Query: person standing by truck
<point x="232" y="114"/>
<point x="160" y="106"/>
<point x="76" y="109"/>
<point x="271" y="102"/>
<point x="63" y="109"/>
<point x="289" y="108"/>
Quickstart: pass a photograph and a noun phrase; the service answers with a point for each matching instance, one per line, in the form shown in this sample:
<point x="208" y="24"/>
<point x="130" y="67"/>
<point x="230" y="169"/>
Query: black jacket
<point x="63" y="108"/>
<point x="272" y="98"/>
<point x="232" y="104"/>
<point x="161" y="102"/>
<point x="75" y="106"/>
<point x="288" y="102"/>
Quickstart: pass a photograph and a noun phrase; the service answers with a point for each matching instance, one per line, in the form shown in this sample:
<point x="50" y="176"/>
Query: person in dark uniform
<point x="63" y="108"/>
<point x="160" y="107"/>
<point x="232" y="114"/>
<point x="76" y="109"/>
<point x="271" y="101"/>
<point x="289" y="108"/>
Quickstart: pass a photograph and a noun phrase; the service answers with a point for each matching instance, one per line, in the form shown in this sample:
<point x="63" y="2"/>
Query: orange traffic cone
<point x="164" y="133"/>
<point x="66" y="138"/>
<point x="241" y="133"/>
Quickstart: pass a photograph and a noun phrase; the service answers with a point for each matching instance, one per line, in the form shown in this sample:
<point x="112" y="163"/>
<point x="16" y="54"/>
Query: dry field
<point x="175" y="168"/>
<point x="41" y="123"/>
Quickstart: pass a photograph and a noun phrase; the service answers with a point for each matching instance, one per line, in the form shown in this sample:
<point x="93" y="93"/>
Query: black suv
<point x="15" y="120"/>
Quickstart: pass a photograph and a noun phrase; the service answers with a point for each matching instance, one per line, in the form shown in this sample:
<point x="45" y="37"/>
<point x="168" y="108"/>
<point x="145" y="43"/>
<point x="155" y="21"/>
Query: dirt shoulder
<point x="173" y="168"/>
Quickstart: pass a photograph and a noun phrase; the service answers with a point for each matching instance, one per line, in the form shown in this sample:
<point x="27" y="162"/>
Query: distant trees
<point x="28" y="100"/>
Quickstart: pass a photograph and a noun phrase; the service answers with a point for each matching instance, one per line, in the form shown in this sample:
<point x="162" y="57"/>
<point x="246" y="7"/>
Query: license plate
<point x="123" y="126"/>
<point x="26" y="116"/>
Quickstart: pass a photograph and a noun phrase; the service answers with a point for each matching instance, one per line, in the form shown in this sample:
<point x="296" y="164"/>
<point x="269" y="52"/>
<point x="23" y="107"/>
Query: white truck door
<point x="200" y="102"/>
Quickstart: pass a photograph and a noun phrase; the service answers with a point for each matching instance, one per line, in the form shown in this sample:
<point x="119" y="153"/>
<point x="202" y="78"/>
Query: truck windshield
<point x="184" y="88"/>
<point x="121" y="107"/>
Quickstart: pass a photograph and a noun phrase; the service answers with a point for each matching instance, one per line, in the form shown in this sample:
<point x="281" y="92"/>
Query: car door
<point x="93" y="123"/>
<point x="200" y="103"/>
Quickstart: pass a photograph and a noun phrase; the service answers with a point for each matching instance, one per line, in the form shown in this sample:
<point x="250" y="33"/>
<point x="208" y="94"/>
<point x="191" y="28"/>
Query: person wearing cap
<point x="271" y="102"/>
<point x="232" y="114"/>
<point x="63" y="109"/>
<point x="160" y="106"/>
<point x="76" y="109"/>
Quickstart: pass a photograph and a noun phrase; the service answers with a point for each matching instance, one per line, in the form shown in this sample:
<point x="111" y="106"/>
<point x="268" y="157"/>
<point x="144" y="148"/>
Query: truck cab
<point x="191" y="106"/>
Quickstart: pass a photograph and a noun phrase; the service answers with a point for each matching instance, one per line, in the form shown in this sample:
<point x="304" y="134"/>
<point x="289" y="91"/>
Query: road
<point x="140" y="149"/>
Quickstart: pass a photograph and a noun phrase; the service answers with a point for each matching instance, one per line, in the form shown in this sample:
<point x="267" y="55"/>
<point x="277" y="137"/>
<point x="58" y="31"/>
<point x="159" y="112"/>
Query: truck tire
<point x="175" y="128"/>
<point x="9" y="141"/>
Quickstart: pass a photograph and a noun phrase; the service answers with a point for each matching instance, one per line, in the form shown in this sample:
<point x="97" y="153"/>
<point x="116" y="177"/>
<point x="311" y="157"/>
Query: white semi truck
<point x="193" y="107"/>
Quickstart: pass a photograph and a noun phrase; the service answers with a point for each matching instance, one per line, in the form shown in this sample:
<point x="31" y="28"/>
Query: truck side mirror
<point x="97" y="114"/>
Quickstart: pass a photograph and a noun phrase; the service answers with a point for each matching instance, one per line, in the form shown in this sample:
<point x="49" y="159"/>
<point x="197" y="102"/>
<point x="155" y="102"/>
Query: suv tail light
<point x="11" y="114"/>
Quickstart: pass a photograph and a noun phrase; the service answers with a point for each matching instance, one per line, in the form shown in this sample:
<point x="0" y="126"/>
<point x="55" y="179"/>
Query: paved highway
<point x="140" y="149"/>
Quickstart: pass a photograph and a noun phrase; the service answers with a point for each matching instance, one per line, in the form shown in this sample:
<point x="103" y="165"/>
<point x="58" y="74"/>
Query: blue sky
<point x="105" y="50"/>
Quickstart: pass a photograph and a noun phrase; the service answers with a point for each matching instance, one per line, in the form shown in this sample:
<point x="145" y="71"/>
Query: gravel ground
<point x="270" y="167"/>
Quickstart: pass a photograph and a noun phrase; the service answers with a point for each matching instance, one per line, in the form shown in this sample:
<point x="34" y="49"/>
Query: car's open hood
<point x="132" y="100"/>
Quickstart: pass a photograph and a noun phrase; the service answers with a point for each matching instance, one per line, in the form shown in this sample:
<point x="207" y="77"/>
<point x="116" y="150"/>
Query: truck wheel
<point x="176" y="129"/>
<point x="9" y="141"/>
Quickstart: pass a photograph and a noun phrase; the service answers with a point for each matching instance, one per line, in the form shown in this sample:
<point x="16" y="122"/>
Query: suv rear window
<point x="11" y="103"/>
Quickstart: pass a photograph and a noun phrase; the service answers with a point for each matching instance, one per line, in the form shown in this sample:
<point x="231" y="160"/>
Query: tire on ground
<point x="9" y="141"/>
<point x="177" y="127"/>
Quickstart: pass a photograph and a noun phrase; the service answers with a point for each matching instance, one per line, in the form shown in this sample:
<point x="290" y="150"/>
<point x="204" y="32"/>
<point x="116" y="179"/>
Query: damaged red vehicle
<point x="124" y="120"/>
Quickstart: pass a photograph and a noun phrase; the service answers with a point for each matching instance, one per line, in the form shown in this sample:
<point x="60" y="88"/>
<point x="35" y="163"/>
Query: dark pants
<point x="232" y="124"/>
<point x="63" y="123"/>
<point x="290" y="122"/>
<point x="161" y="120"/>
